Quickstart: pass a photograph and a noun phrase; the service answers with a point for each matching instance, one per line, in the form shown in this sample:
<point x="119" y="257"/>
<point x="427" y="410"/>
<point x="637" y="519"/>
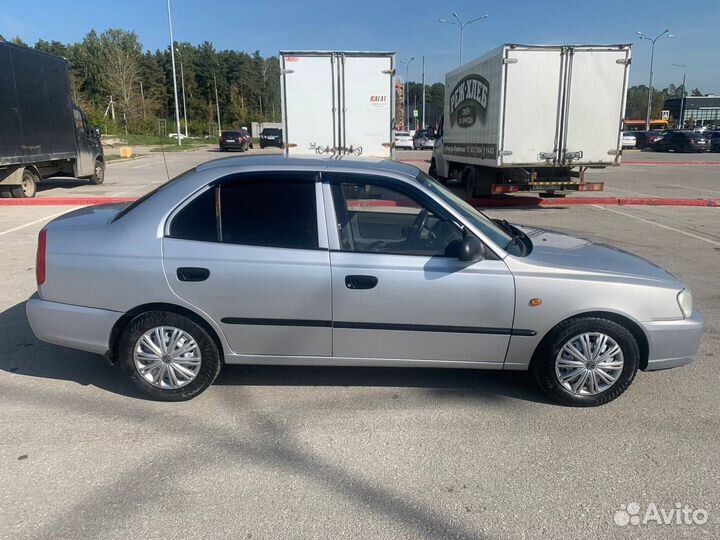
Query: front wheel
<point x="168" y="357"/>
<point x="98" y="176"/>
<point x="586" y="362"/>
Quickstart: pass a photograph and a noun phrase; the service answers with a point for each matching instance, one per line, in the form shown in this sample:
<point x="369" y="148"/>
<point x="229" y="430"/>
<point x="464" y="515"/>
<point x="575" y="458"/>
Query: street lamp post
<point x="217" y="105"/>
<point x="182" y="79"/>
<point x="652" y="58"/>
<point x="460" y="24"/>
<point x="405" y="94"/>
<point x="682" y="95"/>
<point x="172" y="59"/>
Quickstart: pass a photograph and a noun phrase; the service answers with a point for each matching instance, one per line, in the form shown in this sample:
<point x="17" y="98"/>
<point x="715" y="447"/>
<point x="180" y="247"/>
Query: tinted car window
<point x="231" y="133"/>
<point x="271" y="131"/>
<point x="197" y="221"/>
<point x="269" y="211"/>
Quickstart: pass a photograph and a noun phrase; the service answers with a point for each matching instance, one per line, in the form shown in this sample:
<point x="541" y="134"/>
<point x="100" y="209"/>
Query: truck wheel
<point x="28" y="188"/>
<point x="98" y="176"/>
<point x="432" y="171"/>
<point x="469" y="182"/>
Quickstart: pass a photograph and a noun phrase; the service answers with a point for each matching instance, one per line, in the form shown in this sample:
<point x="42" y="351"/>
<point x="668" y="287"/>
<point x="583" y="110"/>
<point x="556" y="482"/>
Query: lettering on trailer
<point x="476" y="150"/>
<point x="378" y="101"/>
<point x="469" y="101"/>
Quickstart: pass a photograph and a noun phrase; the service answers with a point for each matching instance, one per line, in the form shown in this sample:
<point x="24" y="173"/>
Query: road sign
<point x="415" y="113"/>
<point x="665" y="115"/>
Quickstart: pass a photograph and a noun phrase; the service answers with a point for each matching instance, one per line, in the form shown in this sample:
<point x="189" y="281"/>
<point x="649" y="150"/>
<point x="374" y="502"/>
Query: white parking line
<point x="650" y="222"/>
<point x="694" y="188"/>
<point x="46" y="218"/>
<point x="143" y="165"/>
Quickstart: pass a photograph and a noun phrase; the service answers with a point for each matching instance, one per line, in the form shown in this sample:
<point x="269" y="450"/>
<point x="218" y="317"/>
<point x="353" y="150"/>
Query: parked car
<point x="403" y="140"/>
<point x="628" y="140"/>
<point x="643" y="139"/>
<point x="235" y="140"/>
<point x="271" y="137"/>
<point x="175" y="136"/>
<point x="714" y="138"/>
<point x="423" y="140"/>
<point x="274" y="260"/>
<point x="682" y="141"/>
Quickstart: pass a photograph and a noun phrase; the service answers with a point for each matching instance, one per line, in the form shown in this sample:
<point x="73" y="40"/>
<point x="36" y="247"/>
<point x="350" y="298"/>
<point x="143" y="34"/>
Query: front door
<point x="252" y="255"/>
<point x="398" y="288"/>
<point x="85" y="146"/>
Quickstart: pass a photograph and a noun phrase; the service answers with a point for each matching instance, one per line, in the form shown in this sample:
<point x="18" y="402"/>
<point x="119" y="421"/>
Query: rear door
<point x="595" y="104"/>
<point x="530" y="133"/>
<point x="367" y="103"/>
<point x="252" y="255"/>
<point x="309" y="91"/>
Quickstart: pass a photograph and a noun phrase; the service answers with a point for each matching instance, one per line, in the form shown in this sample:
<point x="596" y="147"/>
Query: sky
<point x="409" y="28"/>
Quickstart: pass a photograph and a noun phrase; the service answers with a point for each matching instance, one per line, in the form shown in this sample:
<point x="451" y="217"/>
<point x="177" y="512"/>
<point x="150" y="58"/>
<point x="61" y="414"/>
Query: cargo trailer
<point x="337" y="103"/>
<point x="533" y="118"/>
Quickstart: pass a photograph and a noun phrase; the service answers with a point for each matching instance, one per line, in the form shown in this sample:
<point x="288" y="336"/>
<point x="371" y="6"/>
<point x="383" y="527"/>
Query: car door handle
<point x="360" y="282"/>
<point x="187" y="273"/>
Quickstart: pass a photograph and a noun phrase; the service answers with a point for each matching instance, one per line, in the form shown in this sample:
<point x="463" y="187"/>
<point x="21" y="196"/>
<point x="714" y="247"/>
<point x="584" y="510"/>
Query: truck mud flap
<point x="547" y="186"/>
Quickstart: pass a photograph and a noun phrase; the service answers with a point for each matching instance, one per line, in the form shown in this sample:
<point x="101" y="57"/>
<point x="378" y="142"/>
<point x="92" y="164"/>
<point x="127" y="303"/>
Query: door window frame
<point x="216" y="186"/>
<point x="332" y="178"/>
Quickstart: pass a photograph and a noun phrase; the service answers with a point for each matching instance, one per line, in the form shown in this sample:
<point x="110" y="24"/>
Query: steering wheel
<point x="418" y="225"/>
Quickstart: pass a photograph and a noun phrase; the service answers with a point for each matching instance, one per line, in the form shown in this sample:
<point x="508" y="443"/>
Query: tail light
<point x="40" y="258"/>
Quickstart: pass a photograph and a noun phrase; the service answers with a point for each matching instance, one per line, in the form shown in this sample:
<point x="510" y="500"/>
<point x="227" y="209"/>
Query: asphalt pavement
<point x="300" y="452"/>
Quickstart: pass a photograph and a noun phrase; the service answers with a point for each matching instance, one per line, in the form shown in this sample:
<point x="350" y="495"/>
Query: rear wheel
<point x="28" y="188"/>
<point x="98" y="176"/>
<point x="586" y="362"/>
<point x="168" y="357"/>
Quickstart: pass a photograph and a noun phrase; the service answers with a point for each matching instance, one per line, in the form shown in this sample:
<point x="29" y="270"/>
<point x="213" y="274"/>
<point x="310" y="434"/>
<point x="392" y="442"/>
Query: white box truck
<point x="533" y="118"/>
<point x="336" y="103"/>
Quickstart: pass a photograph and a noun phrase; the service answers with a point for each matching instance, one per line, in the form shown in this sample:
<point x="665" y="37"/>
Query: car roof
<point x="349" y="163"/>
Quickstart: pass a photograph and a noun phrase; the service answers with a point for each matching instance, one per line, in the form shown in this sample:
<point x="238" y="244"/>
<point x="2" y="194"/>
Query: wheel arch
<point x="633" y="327"/>
<point x="122" y="323"/>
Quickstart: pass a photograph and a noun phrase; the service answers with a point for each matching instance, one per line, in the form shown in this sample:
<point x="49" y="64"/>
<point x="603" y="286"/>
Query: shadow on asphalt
<point x="25" y="355"/>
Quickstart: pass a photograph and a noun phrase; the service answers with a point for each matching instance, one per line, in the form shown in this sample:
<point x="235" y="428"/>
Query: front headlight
<point x="685" y="302"/>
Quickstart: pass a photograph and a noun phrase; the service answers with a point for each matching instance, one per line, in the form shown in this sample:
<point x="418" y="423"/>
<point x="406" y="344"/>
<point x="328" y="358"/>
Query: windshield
<point x="495" y="233"/>
<point x="402" y="134"/>
<point x="271" y="131"/>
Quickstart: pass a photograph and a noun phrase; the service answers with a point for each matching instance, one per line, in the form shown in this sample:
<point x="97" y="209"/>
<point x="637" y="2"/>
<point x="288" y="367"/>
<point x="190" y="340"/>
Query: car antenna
<point x="162" y="150"/>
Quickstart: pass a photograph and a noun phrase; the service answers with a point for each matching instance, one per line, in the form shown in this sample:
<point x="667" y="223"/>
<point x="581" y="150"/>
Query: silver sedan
<point x="270" y="260"/>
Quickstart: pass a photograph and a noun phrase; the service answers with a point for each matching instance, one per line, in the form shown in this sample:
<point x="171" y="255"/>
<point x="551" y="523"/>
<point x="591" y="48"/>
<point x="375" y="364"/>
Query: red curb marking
<point x="64" y="201"/>
<point x="671" y="162"/>
<point x="611" y="201"/>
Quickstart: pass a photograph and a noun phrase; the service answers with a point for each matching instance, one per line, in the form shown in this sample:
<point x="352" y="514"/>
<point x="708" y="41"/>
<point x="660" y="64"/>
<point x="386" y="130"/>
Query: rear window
<point x="402" y="134"/>
<point x="696" y="136"/>
<point x="148" y="195"/>
<point x="231" y="133"/>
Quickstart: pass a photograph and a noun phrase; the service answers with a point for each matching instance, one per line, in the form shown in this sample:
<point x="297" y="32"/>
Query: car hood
<point x="90" y="217"/>
<point x="553" y="249"/>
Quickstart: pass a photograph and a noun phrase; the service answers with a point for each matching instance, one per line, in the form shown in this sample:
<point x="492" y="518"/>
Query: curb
<point x="671" y="162"/>
<point x="65" y="201"/>
<point x="607" y="201"/>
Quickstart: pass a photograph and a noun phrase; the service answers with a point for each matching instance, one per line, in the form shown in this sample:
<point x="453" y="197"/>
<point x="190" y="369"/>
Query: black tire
<point x="210" y="366"/>
<point x="467" y="178"/>
<point x="543" y="362"/>
<point x="98" y="176"/>
<point x="432" y="171"/>
<point x="28" y="188"/>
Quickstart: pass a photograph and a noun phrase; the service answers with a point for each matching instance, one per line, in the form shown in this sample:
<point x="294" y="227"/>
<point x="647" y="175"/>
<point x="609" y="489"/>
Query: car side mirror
<point x="471" y="249"/>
